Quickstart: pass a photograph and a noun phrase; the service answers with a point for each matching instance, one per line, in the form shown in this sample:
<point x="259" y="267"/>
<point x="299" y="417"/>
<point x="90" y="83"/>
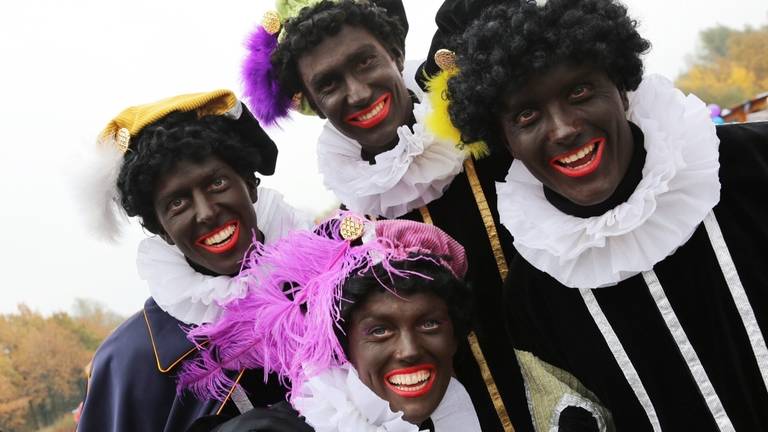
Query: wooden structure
<point x="740" y="112"/>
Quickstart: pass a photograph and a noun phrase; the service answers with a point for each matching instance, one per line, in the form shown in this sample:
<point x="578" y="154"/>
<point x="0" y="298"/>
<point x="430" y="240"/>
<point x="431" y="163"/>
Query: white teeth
<point x="372" y="113"/>
<point x="580" y="154"/>
<point x="220" y="236"/>
<point x="410" y="379"/>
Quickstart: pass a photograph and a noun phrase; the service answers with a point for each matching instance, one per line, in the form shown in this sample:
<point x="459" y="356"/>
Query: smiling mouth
<point x="222" y="239"/>
<point x="581" y="161"/>
<point x="413" y="381"/>
<point x="373" y="115"/>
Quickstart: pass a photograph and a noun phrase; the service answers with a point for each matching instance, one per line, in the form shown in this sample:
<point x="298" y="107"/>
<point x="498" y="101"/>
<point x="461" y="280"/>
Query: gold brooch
<point x="445" y="59"/>
<point x="123" y="139"/>
<point x="271" y="22"/>
<point x="351" y="228"/>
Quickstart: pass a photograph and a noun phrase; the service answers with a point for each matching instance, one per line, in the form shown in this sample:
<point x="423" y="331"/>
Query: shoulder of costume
<point x="136" y="341"/>
<point x="167" y="339"/>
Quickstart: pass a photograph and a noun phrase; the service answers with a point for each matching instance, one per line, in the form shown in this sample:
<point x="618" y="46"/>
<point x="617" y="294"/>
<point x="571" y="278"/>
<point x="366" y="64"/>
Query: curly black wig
<point x="179" y="136"/>
<point x="514" y="41"/>
<point x="440" y="282"/>
<point x="324" y="19"/>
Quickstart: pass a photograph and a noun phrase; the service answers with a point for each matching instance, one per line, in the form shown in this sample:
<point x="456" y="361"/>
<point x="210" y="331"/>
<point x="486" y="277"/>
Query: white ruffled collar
<point x="680" y="185"/>
<point x="337" y="401"/>
<point x="192" y="297"/>
<point x="414" y="173"/>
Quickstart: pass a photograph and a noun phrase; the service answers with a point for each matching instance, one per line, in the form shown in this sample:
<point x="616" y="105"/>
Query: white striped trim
<point x="627" y="368"/>
<point x="241" y="400"/>
<point x="739" y="295"/>
<point x="689" y="354"/>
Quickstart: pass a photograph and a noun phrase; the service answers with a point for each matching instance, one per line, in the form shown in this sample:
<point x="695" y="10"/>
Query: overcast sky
<point x="69" y="66"/>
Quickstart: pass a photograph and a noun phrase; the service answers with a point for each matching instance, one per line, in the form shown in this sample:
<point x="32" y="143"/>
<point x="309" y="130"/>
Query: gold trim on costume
<point x="477" y="352"/>
<point x="485" y="213"/>
<point x="224" y="402"/>
<point x="425" y="216"/>
<point x="154" y="349"/>
<point x="490" y="383"/>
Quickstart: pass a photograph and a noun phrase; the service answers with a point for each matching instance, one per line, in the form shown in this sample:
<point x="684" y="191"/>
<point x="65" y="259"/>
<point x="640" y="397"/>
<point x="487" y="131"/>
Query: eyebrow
<point x="360" y="51"/>
<point x="173" y="191"/>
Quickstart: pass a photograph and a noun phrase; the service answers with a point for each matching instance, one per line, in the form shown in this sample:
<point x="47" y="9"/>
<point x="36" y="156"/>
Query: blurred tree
<point x="731" y="67"/>
<point x="42" y="361"/>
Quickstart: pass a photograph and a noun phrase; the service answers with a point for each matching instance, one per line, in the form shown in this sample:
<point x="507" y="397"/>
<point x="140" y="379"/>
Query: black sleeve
<point x="280" y="417"/>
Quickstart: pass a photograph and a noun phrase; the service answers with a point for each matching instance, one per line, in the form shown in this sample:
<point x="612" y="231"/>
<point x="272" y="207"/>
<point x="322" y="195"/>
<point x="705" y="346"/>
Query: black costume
<point x="435" y="182"/>
<point x="677" y="347"/>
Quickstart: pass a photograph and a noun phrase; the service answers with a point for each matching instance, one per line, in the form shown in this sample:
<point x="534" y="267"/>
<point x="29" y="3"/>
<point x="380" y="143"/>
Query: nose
<point x="564" y="124"/>
<point x="407" y="350"/>
<point x="358" y="92"/>
<point x="205" y="210"/>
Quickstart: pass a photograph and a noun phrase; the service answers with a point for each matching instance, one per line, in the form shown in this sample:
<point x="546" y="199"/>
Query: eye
<point x="580" y="92"/>
<point x="367" y="60"/>
<point x="431" y="324"/>
<point x="378" y="331"/>
<point x="219" y="183"/>
<point x="326" y="86"/>
<point x="526" y="117"/>
<point x="176" y="205"/>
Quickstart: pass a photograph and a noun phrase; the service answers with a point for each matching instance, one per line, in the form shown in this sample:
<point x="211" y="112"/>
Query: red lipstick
<point x="419" y="378"/>
<point x="221" y="239"/>
<point x="373" y="115"/>
<point x="584" y="165"/>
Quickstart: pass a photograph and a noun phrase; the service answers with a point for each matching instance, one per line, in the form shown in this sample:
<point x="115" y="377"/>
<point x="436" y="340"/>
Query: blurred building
<point x="755" y="109"/>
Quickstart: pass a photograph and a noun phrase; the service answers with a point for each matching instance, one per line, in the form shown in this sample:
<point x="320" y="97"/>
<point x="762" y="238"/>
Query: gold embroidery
<point x="154" y="349"/>
<point x="474" y="344"/>
<point x="490" y="383"/>
<point x="485" y="212"/>
<point x="229" y="395"/>
<point x="425" y="216"/>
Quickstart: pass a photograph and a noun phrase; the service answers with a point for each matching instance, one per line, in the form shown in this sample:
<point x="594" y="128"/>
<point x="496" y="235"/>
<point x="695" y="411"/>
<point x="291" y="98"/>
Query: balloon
<point x="717" y="120"/>
<point x="714" y="110"/>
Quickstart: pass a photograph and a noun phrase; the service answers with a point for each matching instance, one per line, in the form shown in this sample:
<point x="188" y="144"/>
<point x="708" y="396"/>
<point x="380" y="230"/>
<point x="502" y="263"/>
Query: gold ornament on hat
<point x="445" y="59"/>
<point x="271" y="22"/>
<point x="351" y="228"/>
<point x="123" y="139"/>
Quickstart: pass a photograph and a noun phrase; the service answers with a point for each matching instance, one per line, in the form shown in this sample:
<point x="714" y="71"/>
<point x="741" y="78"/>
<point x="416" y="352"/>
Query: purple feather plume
<point x="262" y="89"/>
<point x="286" y="323"/>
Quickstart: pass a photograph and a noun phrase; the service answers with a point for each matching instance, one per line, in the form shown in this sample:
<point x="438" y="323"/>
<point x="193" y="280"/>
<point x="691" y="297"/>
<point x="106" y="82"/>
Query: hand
<point x="277" y="418"/>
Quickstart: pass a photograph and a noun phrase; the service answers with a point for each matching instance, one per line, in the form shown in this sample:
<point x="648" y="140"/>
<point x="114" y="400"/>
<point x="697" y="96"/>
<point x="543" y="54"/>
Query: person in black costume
<point x="184" y="165"/>
<point x="638" y="299"/>
<point x="344" y="61"/>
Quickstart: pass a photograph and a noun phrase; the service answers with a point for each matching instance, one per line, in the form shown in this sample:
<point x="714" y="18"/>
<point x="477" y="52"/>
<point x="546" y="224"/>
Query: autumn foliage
<point x="731" y="67"/>
<point x="43" y="360"/>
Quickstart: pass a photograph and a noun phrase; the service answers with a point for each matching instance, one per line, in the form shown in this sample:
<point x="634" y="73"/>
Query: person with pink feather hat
<point x="360" y="319"/>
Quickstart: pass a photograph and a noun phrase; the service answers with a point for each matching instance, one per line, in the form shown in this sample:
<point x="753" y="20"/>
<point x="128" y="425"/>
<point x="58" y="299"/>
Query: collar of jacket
<point x="169" y="341"/>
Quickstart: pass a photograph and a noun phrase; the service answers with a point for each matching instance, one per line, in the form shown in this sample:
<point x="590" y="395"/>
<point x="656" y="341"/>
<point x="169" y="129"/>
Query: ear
<point x="400" y="61"/>
<point x="624" y="99"/>
<point x="312" y="104"/>
<point x="253" y="189"/>
<point x="502" y="137"/>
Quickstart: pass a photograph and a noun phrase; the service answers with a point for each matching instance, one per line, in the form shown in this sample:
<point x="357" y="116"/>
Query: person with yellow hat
<point x="185" y="166"/>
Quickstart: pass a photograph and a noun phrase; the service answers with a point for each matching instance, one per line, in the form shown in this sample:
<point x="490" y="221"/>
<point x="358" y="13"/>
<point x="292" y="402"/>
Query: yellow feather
<point x="439" y="122"/>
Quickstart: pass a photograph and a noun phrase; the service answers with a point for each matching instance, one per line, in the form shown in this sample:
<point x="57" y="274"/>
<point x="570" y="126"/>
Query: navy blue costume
<point x="133" y="387"/>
